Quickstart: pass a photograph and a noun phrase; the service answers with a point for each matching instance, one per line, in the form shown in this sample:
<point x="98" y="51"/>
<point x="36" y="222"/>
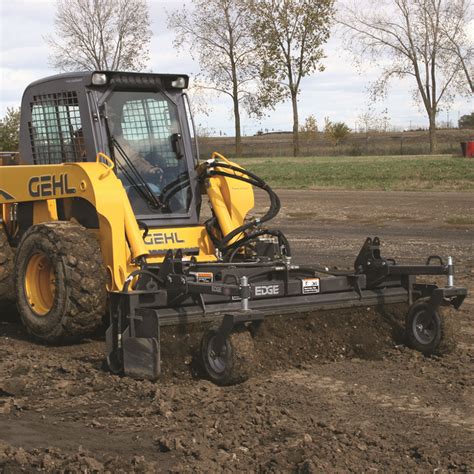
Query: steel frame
<point x="170" y="295"/>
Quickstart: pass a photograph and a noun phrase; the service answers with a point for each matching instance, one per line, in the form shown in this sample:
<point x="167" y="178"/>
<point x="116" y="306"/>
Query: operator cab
<point x="139" y="120"/>
<point x="145" y="134"/>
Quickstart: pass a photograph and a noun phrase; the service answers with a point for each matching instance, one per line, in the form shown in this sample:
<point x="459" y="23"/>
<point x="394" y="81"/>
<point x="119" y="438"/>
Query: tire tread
<point x="6" y="268"/>
<point x="85" y="277"/>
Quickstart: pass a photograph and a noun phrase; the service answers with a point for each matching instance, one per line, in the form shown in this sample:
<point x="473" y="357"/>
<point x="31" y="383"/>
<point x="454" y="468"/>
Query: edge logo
<point x="163" y="238"/>
<point x="49" y="185"/>
<point x="268" y="290"/>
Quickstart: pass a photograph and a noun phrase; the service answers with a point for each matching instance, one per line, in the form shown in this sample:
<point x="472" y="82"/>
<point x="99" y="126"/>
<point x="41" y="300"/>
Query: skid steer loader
<point x="102" y="215"/>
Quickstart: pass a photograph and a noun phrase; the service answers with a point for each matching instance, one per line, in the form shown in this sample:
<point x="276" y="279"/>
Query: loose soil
<point x="334" y="391"/>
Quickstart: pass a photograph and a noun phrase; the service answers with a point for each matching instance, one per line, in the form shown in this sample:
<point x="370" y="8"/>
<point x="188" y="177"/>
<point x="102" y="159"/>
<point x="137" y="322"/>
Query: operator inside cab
<point x="142" y="127"/>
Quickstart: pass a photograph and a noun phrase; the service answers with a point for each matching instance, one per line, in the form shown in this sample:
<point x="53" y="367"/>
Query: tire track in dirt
<point x="403" y="403"/>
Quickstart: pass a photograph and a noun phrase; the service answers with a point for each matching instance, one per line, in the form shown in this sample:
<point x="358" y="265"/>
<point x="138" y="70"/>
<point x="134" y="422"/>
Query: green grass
<point x="460" y="220"/>
<point x="401" y="173"/>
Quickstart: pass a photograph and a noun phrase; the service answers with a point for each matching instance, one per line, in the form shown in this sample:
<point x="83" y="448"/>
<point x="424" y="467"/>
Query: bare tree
<point x="372" y="121"/>
<point x="458" y="43"/>
<point x="290" y="35"/>
<point x="101" y="35"/>
<point x="217" y="32"/>
<point x="410" y="38"/>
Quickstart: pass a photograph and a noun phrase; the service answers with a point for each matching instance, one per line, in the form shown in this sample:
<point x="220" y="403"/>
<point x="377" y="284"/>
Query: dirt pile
<point x="366" y="333"/>
<point x="283" y="342"/>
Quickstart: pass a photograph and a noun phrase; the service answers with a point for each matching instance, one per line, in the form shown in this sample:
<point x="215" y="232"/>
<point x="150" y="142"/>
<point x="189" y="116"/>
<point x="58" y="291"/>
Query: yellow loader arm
<point x="119" y="235"/>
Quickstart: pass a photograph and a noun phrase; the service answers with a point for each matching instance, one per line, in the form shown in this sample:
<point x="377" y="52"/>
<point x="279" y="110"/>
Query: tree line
<point x="256" y="52"/>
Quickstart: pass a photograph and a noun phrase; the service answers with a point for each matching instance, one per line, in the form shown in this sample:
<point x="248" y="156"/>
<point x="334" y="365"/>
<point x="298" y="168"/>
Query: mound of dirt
<point x="289" y="341"/>
<point x="363" y="332"/>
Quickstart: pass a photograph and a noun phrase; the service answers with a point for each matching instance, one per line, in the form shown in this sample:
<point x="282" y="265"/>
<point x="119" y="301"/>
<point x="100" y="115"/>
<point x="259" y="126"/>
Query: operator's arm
<point x="143" y="166"/>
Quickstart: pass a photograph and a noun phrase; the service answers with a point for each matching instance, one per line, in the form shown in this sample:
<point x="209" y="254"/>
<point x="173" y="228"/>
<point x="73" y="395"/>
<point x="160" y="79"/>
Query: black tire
<point x="451" y="328"/>
<point x="428" y="330"/>
<point x="76" y="300"/>
<point x="6" y="268"/>
<point x="231" y="365"/>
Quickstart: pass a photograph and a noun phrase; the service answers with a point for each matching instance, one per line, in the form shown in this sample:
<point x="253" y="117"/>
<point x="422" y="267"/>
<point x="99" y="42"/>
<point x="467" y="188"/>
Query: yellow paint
<point x="40" y="284"/>
<point x="45" y="211"/>
<point x="174" y="238"/>
<point x="90" y="181"/>
<point x="231" y="199"/>
<point x="133" y="232"/>
<point x="120" y="238"/>
<point x="5" y="215"/>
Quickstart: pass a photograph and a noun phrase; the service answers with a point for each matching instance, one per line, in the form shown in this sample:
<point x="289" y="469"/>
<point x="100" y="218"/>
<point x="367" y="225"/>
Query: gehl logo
<point x="49" y="185"/>
<point x="161" y="238"/>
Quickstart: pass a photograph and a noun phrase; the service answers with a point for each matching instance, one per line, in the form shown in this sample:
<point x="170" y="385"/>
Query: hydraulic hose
<point x="282" y="241"/>
<point x="136" y="273"/>
<point x="273" y="210"/>
<point x="254" y="181"/>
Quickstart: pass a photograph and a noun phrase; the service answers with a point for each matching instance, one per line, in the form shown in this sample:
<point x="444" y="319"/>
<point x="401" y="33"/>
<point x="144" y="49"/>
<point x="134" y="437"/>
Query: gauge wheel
<point x="227" y="362"/>
<point x="60" y="282"/>
<point x="428" y="330"/>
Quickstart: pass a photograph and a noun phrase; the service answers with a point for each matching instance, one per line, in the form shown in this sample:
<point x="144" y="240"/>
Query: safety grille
<point x="55" y="129"/>
<point x="147" y="125"/>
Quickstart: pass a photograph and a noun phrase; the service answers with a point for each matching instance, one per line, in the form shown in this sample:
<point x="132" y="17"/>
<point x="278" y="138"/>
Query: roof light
<point x="99" y="79"/>
<point x="179" y="83"/>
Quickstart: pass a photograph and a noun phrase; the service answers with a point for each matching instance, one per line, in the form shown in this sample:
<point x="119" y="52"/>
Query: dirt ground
<point x="337" y="391"/>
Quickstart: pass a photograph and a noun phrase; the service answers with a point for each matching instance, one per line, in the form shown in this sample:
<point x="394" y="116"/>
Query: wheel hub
<point x="40" y="284"/>
<point x="216" y="356"/>
<point x="424" y="327"/>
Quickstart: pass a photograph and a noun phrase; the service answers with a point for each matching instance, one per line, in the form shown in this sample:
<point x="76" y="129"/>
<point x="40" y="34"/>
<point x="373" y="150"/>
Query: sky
<point x="340" y="92"/>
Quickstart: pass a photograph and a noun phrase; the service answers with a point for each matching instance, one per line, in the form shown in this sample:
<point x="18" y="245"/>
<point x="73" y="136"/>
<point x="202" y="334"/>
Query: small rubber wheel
<point x="6" y="268"/>
<point x="229" y="363"/>
<point x="60" y="282"/>
<point x="427" y="330"/>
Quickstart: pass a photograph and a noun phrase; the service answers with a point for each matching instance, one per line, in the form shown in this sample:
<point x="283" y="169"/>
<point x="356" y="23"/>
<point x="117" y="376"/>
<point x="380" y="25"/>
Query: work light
<point x="99" y="78"/>
<point x="179" y="83"/>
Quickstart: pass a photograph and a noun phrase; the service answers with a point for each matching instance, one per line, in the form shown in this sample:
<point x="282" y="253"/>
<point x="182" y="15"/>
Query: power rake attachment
<point x="236" y="296"/>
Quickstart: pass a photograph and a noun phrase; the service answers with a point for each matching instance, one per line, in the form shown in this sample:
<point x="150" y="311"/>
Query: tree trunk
<point x="433" y="138"/>
<point x="296" y="138"/>
<point x="238" y="137"/>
